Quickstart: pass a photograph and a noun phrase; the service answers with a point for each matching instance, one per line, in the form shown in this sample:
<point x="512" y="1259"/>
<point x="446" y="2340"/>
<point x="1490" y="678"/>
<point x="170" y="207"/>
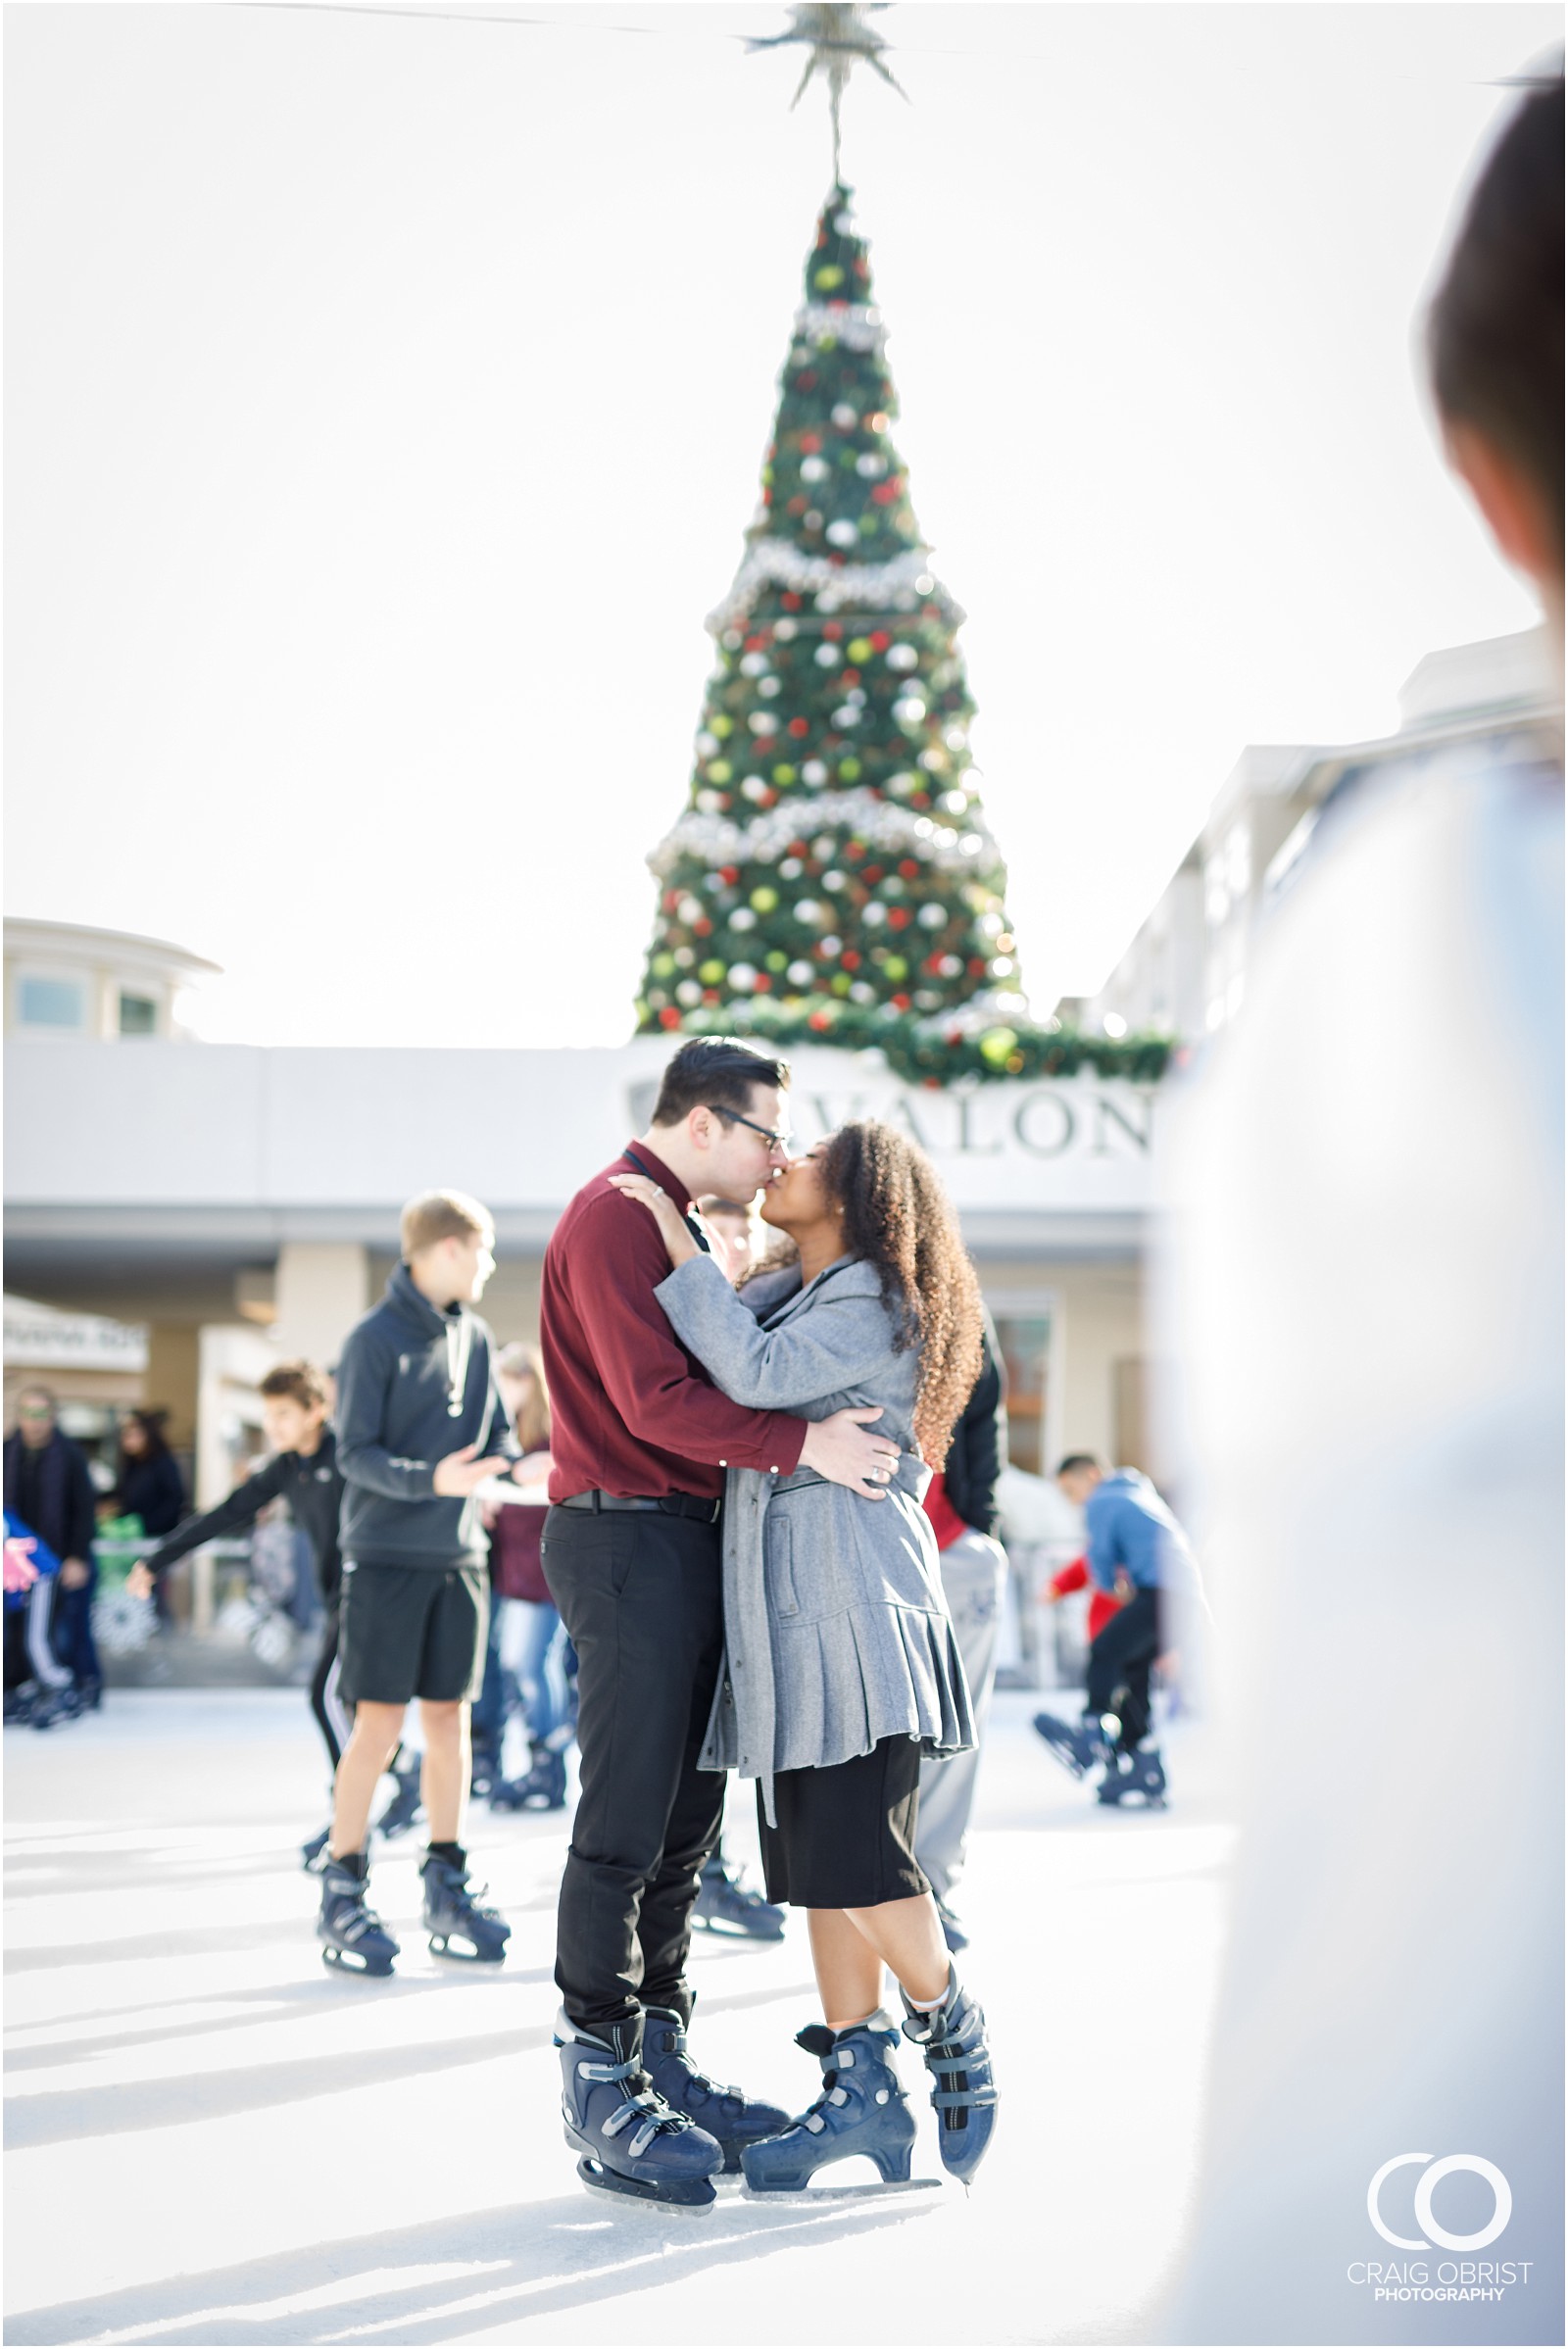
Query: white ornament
<point x="842" y="534"/>
<point x="768" y="687"/>
<point x="834" y="881"/>
<point x="933" y="916"/>
<point x="832" y="946"/>
<point x="742" y="976"/>
<point x="800" y="974"/>
<point x="827" y="655"/>
<point x="902" y="657"/>
<point x="813" y="771"/>
<point x="848" y="716"/>
<point x="808" y="910"/>
<point x="753" y="788"/>
<point x="743" y="918"/>
<point x="844" y="415"/>
<point x="856" y="324"/>
<point x="785" y="630"/>
<point x="874" y="917"/>
<point x="909" y="710"/>
<point x="791" y="869"/>
<point x="763" y="721"/>
<point x="754" y="664"/>
<point x="707" y="745"/>
<point x="813" y="468"/>
<point x="688" y="992"/>
<point x="862" y="992"/>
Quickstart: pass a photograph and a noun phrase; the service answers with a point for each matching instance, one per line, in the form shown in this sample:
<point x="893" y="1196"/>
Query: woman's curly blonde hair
<point x="899" y="1217"/>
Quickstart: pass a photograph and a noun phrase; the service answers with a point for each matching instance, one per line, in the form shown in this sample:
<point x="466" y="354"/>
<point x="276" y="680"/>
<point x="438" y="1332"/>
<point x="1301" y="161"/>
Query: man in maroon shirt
<point x="640" y="1438"/>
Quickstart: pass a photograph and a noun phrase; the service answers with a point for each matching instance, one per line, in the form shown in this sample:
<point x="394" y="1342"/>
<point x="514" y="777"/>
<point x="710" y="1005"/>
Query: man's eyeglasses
<point x="33" y="1411"/>
<point x="778" y="1142"/>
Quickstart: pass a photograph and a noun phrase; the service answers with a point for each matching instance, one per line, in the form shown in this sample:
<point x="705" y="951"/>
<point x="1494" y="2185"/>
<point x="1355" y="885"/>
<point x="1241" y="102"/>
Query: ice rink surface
<point x="211" y="2139"/>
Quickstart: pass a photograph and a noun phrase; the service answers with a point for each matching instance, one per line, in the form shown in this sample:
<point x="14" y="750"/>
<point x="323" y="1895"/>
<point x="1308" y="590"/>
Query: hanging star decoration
<point x="837" y="37"/>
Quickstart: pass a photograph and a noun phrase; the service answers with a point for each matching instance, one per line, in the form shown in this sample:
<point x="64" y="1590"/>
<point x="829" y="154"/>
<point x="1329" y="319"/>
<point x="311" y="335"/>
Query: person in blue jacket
<point x="1136" y="1549"/>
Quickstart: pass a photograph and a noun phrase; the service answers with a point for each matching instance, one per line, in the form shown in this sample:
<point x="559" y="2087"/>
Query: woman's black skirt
<point x="845" y="1837"/>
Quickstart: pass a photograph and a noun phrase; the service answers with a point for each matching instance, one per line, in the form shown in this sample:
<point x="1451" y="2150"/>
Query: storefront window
<point x="51" y="1002"/>
<point x="138" y="1015"/>
<point x="1025" y="1339"/>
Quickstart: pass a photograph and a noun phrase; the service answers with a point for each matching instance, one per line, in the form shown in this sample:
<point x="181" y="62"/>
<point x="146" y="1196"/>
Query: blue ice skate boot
<point x="630" y="2140"/>
<point x="313" y="1854"/>
<point x="457" y="1926"/>
<point x="863" y="2109"/>
<point x="1077" y="1745"/>
<point x="952" y="2040"/>
<point x="726" y="1907"/>
<point x="731" y="2118"/>
<point x="407" y="1804"/>
<point x="542" y="1789"/>
<point x="353" y="1939"/>
<point x="1135" y="1777"/>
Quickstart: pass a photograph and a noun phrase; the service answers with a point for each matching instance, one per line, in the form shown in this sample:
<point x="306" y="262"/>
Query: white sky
<point x="385" y="400"/>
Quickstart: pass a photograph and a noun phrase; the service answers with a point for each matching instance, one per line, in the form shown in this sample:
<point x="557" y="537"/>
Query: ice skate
<point x="353" y="1939"/>
<point x="632" y="2143"/>
<point x="1135" y="1777"/>
<point x="952" y="2040"/>
<point x="313" y="1852"/>
<point x="542" y="1789"/>
<point x="457" y="1926"/>
<point x="406" y="1807"/>
<point x="730" y="2116"/>
<point x="863" y="2109"/>
<point x="1077" y="1745"/>
<point x="726" y="1907"/>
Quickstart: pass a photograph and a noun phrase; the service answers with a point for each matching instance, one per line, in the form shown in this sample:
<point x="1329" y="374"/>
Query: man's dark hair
<point x="714" y="1072"/>
<point x="1495" y="330"/>
<point x="1080" y="1459"/>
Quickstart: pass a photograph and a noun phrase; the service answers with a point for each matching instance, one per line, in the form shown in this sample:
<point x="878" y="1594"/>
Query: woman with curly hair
<point x="841" y="1668"/>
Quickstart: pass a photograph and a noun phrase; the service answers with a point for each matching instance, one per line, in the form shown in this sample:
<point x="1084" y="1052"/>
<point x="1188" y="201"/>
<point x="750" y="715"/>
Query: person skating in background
<point x="302" y="1470"/>
<point x="639" y="1438"/>
<point x="38" y="1687"/>
<point x="49" y="1491"/>
<point x="1075" y="1576"/>
<point x="725" y="1905"/>
<point x="535" y="1648"/>
<point x="960" y="1501"/>
<point x="1138" y="1552"/>
<point x="419" y="1426"/>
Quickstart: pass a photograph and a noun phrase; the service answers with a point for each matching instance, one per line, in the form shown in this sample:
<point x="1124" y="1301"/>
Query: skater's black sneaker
<point x="18" y="1705"/>
<point x="55" y="1704"/>
<point x="724" y="1906"/>
<point x="953" y="1931"/>
<point x="484" y="1771"/>
<point x="89" y="1696"/>
<point x="457" y="1926"/>
<point x="542" y="1789"/>
<point x="406" y="1807"/>
<point x="1078" y="1746"/>
<point x="952" y="2040"/>
<point x="861" y="2110"/>
<point x="353" y="1939"/>
<point x="729" y="2116"/>
<point x="630" y="2140"/>
<point x="1135" y="1777"/>
<point x="313" y="1855"/>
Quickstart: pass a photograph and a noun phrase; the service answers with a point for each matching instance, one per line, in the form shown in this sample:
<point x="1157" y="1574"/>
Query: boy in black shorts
<point x="420" y="1425"/>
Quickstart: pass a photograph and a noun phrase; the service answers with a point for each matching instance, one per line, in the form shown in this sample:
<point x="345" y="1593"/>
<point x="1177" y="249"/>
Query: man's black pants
<point x="1119" y="1663"/>
<point x="641" y="1598"/>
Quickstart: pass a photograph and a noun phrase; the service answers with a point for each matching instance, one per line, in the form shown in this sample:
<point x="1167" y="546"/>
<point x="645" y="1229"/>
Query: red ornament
<point x="832" y="629"/>
<point x="872" y="874"/>
<point x="797" y="848"/>
<point x="850" y="959"/>
<point x="702" y="927"/>
<point x="901" y="1002"/>
<point x="754" y="644"/>
<point x="671" y="900"/>
<point x="790" y="600"/>
<point x="711" y="994"/>
<point x="977" y="969"/>
<point x="762" y="984"/>
<point x="880" y="641"/>
<point x="819" y="1020"/>
<point x="669" y="1017"/>
<point x="806" y="380"/>
<point x="799" y="725"/>
<point x="850" y="676"/>
<point x="796" y="506"/>
<point x="729" y="874"/>
<point x="884" y="493"/>
<point x="899" y="917"/>
<point x="909" y="870"/>
<point x="855" y="849"/>
<point x="811" y="443"/>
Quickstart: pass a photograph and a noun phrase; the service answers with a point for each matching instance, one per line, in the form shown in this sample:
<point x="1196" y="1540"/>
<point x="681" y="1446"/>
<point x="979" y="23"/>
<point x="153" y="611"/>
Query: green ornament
<point x="664" y="966"/>
<point x="996" y="1045"/>
<point x="721" y="771"/>
<point x="861" y="649"/>
<point x="710" y="973"/>
<point x="849" y="770"/>
<point x="721" y="725"/>
<point x="895" y="966"/>
<point x="783" y="775"/>
<point x="777" y="960"/>
<point x="830" y="274"/>
<point x="763" y="900"/>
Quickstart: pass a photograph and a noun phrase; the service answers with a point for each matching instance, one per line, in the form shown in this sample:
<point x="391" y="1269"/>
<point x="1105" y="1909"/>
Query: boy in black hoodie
<point x="420" y="1426"/>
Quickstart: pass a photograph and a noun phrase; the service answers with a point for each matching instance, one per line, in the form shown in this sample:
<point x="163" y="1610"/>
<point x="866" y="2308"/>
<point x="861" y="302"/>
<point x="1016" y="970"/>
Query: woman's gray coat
<point x="836" y="1631"/>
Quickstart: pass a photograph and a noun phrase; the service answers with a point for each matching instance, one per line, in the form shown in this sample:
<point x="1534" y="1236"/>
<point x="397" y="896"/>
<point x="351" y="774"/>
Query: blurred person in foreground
<point x="49" y="1491"/>
<point x="1368" y="1279"/>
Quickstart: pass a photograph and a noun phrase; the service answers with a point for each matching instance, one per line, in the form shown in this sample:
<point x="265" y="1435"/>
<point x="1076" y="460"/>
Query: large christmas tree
<point x="833" y="877"/>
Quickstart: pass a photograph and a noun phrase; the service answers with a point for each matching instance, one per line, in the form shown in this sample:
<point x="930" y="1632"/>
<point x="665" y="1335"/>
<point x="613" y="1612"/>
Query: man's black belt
<point x="670" y="1504"/>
